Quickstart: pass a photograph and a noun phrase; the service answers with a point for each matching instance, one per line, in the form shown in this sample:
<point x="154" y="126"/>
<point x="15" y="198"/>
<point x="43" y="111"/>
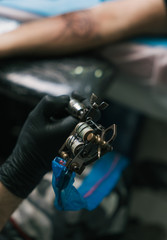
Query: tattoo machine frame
<point x="89" y="140"/>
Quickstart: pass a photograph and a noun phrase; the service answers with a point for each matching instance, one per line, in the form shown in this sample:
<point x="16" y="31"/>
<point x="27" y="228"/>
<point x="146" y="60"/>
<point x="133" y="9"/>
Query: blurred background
<point x="139" y="110"/>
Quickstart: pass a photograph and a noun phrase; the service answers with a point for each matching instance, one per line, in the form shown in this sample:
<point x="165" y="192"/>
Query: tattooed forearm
<point x="103" y="24"/>
<point x="81" y="25"/>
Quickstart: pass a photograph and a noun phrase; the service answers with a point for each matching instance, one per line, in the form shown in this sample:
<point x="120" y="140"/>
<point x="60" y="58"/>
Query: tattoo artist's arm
<point x="8" y="203"/>
<point x="43" y="133"/>
<point x="72" y="32"/>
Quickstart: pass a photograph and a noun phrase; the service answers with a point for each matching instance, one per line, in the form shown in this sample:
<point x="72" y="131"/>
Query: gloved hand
<point x="43" y="133"/>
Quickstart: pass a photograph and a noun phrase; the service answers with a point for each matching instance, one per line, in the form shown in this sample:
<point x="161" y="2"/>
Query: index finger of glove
<point x="77" y="95"/>
<point x="81" y="98"/>
<point x="52" y="106"/>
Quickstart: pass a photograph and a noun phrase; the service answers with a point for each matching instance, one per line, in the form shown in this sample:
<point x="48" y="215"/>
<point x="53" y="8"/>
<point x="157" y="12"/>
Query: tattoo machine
<point x="89" y="140"/>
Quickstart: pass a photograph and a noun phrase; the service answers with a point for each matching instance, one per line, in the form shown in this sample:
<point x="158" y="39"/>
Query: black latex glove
<point x="43" y="133"/>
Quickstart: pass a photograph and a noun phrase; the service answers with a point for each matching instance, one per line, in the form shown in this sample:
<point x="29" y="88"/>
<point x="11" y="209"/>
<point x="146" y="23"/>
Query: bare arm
<point x="8" y="203"/>
<point x="78" y="31"/>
